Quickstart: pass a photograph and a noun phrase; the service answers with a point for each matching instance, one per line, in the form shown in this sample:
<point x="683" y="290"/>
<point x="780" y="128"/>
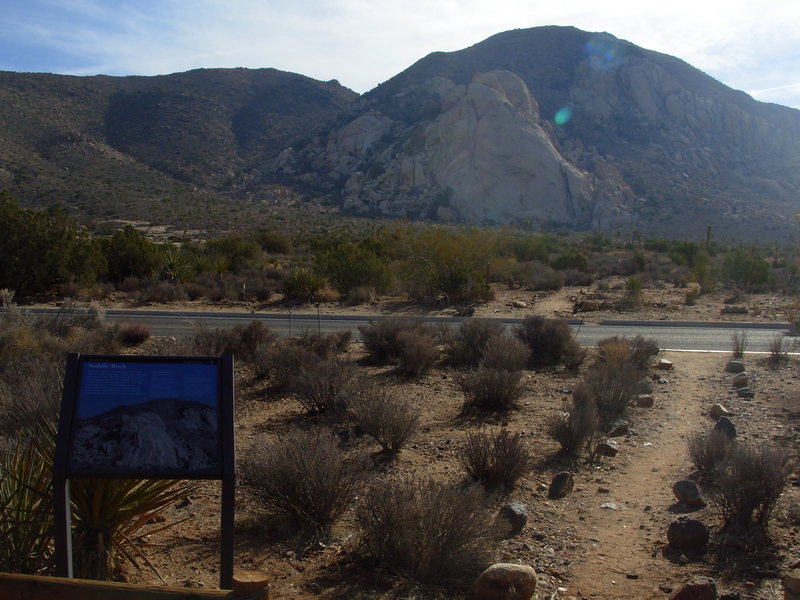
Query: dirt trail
<point x="623" y="557"/>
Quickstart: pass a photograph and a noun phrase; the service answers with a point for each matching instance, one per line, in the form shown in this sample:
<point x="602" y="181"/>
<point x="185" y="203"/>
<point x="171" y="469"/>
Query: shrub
<point x="613" y="385"/>
<point x="348" y="265"/>
<point x="418" y="353"/>
<point x="245" y="341"/>
<point x="637" y="350"/>
<point x="133" y="334"/>
<point x="491" y="389"/>
<point x="551" y="341"/>
<point x="30" y="394"/>
<point x="707" y="450"/>
<point x="302" y="285"/>
<point x="324" y="387"/>
<point x="467" y="344"/>
<point x="325" y="345"/>
<point x="746" y="268"/>
<point x="380" y="337"/>
<point x="576" y="277"/>
<point x="378" y="413"/>
<point x="777" y="354"/>
<point x="361" y="295"/>
<point x="748" y="483"/>
<point x="575" y="427"/>
<point x="539" y="277"/>
<point x="305" y="477"/>
<point x="739" y="341"/>
<point x="428" y="530"/>
<point x="496" y="459"/>
<point x="161" y="292"/>
<point x="284" y="364"/>
<point x="505" y="353"/>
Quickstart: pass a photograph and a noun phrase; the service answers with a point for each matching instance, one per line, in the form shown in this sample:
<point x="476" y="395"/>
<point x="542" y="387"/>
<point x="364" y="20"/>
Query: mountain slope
<point x="656" y="144"/>
<point x="125" y="146"/>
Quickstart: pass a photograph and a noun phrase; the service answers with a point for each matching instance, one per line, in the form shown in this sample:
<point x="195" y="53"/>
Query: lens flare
<point x="604" y="52"/>
<point x="563" y="115"/>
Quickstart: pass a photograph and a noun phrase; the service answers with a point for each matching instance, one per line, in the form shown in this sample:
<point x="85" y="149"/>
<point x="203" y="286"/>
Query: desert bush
<point x="272" y="242"/>
<point x="777" y="353"/>
<point x="283" y="365"/>
<point x="707" y="450"/>
<point x="466" y="345"/>
<point x="748" y="483"/>
<point x="324" y="387"/>
<point x="491" y="389"/>
<point x="325" y="345"/>
<point x="496" y="459"/>
<point x="26" y="511"/>
<point x="360" y="294"/>
<point x="575" y="427"/>
<point x="245" y="341"/>
<point x="418" y="353"/>
<point x="302" y="285"/>
<point x="348" y="265"/>
<point x="161" y="292"/>
<point x="638" y="350"/>
<point x="428" y="530"/>
<point x="539" y="277"/>
<point x="573" y="259"/>
<point x="576" y="277"/>
<point x="551" y="341"/>
<point x="30" y="394"/>
<point x="380" y="337"/>
<point x="387" y="419"/>
<point x="133" y="334"/>
<point x="305" y="477"/>
<point x="746" y="268"/>
<point x="739" y="341"/>
<point x="505" y="353"/>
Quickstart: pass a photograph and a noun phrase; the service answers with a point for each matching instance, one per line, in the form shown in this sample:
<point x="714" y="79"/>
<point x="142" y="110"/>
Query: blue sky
<point x="751" y="46"/>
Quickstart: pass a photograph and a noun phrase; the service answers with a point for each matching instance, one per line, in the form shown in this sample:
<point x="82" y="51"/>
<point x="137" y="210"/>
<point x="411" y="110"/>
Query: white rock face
<point x="486" y="158"/>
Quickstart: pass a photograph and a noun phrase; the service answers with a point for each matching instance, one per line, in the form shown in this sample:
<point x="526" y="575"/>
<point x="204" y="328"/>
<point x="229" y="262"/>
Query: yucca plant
<point x="108" y="516"/>
<point x="26" y="510"/>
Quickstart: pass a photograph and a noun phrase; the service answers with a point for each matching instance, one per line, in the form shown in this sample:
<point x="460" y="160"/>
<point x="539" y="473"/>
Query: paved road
<point x="671" y="335"/>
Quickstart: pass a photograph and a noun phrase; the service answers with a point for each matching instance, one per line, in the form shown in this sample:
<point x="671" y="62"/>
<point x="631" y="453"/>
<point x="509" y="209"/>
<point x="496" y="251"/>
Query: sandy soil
<point x="579" y="548"/>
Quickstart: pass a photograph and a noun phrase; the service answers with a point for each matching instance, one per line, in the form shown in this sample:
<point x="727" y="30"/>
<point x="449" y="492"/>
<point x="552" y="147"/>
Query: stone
<point x="697" y="588"/>
<point x="561" y="485"/>
<point x="504" y="581"/>
<point x="718" y="411"/>
<point x="726" y="426"/>
<point x="645" y="401"/>
<point x="619" y="428"/>
<point x="645" y="386"/>
<point x="664" y="364"/>
<point x="734" y="366"/>
<point x="685" y="533"/>
<point x="741" y="380"/>
<point x="733" y="310"/>
<point x="745" y="392"/>
<point x="513" y="516"/>
<point x="518" y="304"/>
<point x="607" y="448"/>
<point x="688" y="493"/>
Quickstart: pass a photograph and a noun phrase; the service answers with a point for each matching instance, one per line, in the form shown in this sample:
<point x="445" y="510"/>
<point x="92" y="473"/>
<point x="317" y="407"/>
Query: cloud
<point x="364" y="42"/>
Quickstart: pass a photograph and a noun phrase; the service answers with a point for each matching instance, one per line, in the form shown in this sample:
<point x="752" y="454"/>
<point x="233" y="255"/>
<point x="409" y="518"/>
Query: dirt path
<point x="623" y="557"/>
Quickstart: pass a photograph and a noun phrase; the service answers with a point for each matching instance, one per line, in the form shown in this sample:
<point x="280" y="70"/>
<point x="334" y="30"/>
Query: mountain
<point x="558" y="126"/>
<point x="165" y="435"/>
<point x="550" y="126"/>
<point x="133" y="147"/>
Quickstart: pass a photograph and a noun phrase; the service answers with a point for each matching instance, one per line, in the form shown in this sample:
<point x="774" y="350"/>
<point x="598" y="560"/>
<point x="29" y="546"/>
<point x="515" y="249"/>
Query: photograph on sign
<point x="133" y="417"/>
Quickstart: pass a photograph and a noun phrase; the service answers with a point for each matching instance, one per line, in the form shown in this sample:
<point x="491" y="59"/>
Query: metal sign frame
<point x="64" y="469"/>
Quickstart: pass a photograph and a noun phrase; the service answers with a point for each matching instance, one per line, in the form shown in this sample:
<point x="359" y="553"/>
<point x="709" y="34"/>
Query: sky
<point x="748" y="45"/>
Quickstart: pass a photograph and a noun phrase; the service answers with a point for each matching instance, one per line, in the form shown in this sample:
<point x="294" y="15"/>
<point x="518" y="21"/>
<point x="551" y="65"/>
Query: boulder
<point x="645" y="401"/>
<point x="688" y="493"/>
<point x="741" y="380"/>
<point x="726" y="426"/>
<point x="697" y="588"/>
<point x="518" y="304"/>
<point x="734" y="366"/>
<point x="618" y="428"/>
<point x="561" y="485"/>
<point x="607" y="448"/>
<point x="664" y="364"/>
<point x="513" y="517"/>
<point x="745" y="392"/>
<point x="685" y="533"/>
<point x="718" y="411"/>
<point x="645" y="386"/>
<point x="504" y="581"/>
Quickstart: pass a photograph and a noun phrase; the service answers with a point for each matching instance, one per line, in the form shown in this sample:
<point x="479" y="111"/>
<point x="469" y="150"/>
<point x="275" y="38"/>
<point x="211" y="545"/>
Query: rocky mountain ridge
<point x="550" y="126"/>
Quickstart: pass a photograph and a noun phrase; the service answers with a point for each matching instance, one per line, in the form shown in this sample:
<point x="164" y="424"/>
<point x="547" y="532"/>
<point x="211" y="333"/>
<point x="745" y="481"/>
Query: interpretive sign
<point x="146" y="417"/>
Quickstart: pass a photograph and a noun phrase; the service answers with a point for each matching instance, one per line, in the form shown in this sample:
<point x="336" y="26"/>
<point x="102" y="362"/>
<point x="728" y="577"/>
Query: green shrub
<point x="348" y="266"/>
<point x="429" y="531"/>
<point x="302" y="286"/>
<point x="746" y="268"/>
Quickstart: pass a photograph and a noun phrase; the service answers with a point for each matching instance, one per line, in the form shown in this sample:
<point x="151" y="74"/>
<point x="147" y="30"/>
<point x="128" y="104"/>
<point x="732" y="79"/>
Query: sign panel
<point x="146" y="418"/>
